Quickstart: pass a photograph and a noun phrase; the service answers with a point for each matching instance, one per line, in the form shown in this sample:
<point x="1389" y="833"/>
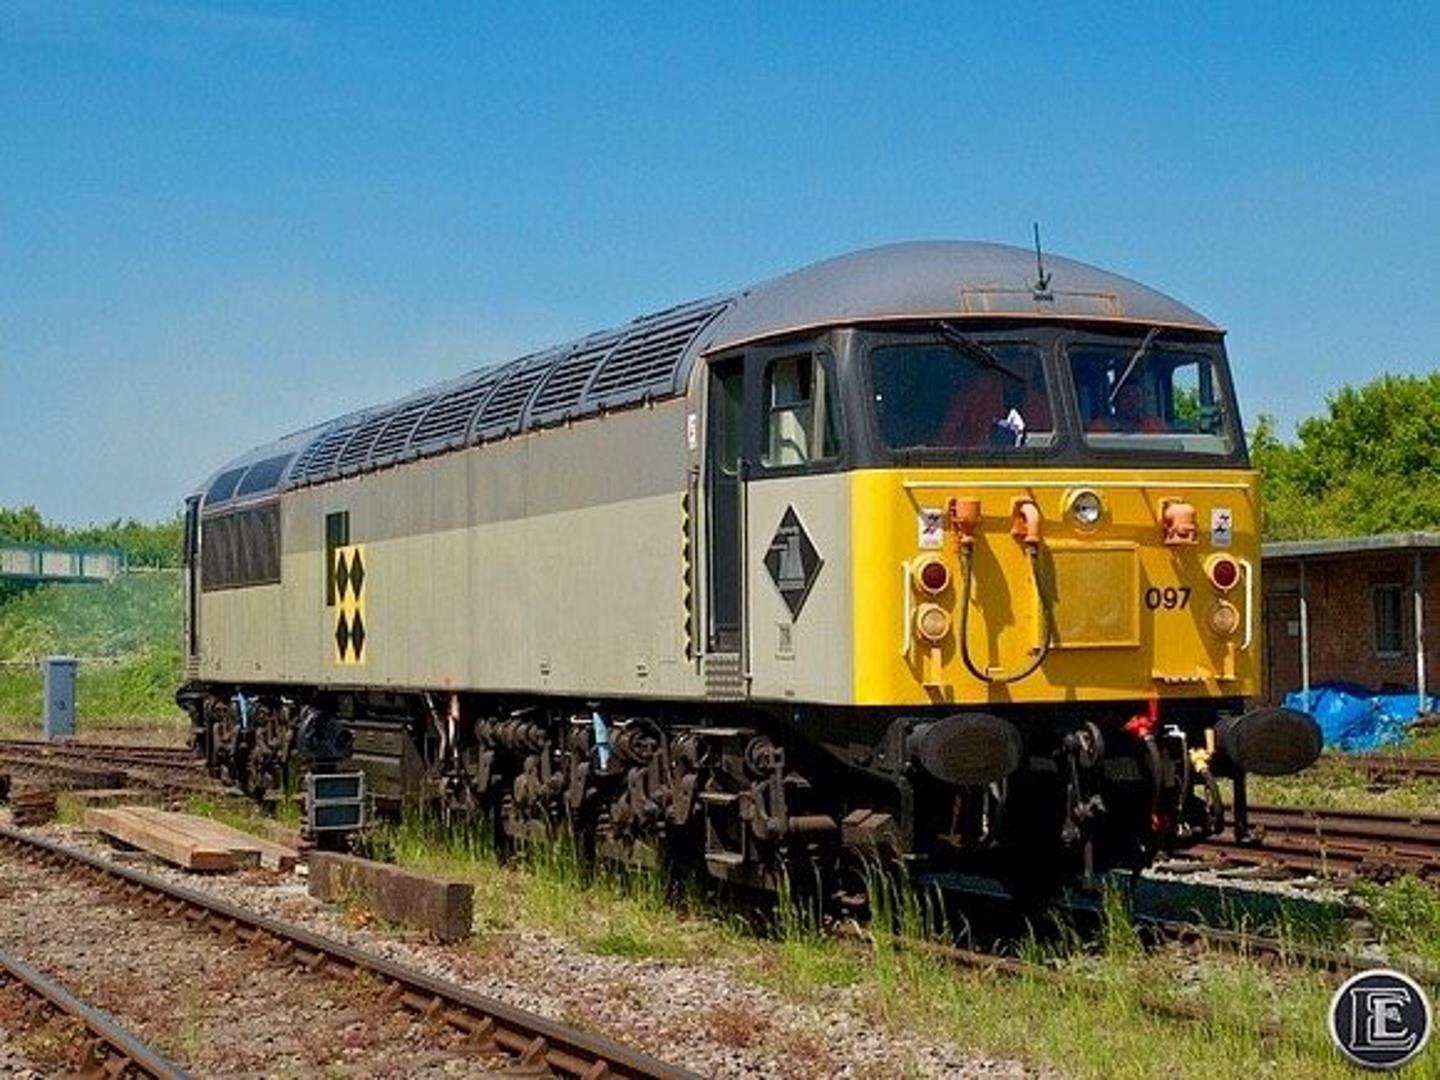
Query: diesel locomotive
<point x="927" y="553"/>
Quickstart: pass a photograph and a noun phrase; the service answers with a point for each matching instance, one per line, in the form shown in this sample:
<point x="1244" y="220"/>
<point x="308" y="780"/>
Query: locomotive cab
<point x="1021" y="555"/>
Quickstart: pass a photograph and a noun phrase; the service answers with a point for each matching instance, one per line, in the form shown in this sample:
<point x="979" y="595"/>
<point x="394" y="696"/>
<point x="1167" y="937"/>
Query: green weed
<point x="1406" y="914"/>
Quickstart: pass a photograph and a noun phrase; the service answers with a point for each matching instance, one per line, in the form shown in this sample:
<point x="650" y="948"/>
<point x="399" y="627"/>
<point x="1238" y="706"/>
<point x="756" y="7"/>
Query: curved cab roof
<point x="651" y="358"/>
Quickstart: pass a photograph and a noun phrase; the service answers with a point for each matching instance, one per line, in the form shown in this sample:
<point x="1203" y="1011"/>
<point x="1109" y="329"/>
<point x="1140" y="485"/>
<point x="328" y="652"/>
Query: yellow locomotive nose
<point x="1059" y="586"/>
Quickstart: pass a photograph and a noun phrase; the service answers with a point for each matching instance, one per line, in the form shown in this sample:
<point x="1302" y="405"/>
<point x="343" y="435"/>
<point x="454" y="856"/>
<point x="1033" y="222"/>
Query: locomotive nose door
<point x="724" y="479"/>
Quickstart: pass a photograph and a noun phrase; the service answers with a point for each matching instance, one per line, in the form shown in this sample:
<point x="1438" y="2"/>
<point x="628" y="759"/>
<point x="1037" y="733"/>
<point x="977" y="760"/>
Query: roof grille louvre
<point x="447" y="420"/>
<point x="325" y="452"/>
<point x="639" y="362"/>
<point x="398" y="429"/>
<point x="562" y="395"/>
<point x="362" y="438"/>
<point x="504" y="412"/>
<point x="645" y="364"/>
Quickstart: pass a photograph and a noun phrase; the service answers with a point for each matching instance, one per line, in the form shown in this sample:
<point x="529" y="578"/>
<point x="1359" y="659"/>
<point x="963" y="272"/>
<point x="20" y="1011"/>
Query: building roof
<point x="650" y="358"/>
<point x="1350" y="545"/>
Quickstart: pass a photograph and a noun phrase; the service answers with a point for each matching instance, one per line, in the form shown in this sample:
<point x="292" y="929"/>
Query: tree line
<point x="144" y="543"/>
<point x="1370" y="463"/>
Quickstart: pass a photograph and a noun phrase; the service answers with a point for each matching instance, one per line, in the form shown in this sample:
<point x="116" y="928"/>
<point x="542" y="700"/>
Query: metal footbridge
<point x="21" y="561"/>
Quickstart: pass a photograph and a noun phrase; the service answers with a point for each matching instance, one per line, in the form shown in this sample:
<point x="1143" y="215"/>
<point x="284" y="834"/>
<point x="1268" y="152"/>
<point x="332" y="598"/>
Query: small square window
<point x="1389" y="620"/>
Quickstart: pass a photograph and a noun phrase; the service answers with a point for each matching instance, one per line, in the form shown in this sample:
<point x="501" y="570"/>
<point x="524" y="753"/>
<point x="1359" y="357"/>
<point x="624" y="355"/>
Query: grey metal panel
<point x="292" y="444"/>
<point x="321" y="458"/>
<point x="263" y="476"/>
<point x="582" y="466"/>
<point x="223" y="486"/>
<point x="646" y="364"/>
<point x="952" y="279"/>
<point x="59" y="715"/>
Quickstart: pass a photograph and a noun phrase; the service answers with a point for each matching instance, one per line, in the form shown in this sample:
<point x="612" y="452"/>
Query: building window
<point x="1389" y="620"/>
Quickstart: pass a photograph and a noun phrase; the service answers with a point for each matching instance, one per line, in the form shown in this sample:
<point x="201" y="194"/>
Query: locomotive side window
<point x="933" y="395"/>
<point x="801" y="418"/>
<point x="337" y="535"/>
<point x="240" y="548"/>
<point x="1150" y="396"/>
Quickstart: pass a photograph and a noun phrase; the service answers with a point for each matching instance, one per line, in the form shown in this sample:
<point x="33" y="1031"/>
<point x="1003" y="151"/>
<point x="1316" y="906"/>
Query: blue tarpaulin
<point x="1353" y="717"/>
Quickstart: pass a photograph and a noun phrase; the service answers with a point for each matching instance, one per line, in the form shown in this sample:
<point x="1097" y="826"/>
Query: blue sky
<point x="219" y="223"/>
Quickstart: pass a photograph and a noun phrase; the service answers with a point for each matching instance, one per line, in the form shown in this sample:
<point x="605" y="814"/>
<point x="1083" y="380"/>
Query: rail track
<point x="107" y="1049"/>
<point x="489" y="1025"/>
<point x="1388" y="769"/>
<point x="107" y="765"/>
<point x="1337" y="843"/>
<point x="169" y="756"/>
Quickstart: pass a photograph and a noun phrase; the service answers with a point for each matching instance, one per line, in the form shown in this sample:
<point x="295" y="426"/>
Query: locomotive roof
<point x="651" y="357"/>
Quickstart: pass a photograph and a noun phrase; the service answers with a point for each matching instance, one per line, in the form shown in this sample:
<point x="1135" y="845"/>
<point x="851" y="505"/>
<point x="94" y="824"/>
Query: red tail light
<point x="932" y="574"/>
<point x="1224" y="572"/>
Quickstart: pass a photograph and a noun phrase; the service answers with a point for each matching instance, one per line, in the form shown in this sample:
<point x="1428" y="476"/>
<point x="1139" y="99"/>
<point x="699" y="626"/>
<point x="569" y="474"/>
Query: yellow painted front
<point x="1109" y="642"/>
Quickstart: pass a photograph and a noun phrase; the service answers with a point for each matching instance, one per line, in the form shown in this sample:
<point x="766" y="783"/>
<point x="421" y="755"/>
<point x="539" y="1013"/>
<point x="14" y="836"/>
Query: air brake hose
<point x="1032" y="551"/>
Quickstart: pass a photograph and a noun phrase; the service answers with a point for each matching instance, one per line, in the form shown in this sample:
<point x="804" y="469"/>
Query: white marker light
<point x="1086" y="509"/>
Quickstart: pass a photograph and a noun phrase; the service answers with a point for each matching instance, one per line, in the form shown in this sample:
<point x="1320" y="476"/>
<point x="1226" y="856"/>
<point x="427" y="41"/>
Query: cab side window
<point x="802" y="421"/>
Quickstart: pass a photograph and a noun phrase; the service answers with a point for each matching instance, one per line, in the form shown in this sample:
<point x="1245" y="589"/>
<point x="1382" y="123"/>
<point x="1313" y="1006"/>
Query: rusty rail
<point x="488" y="1022"/>
<point x="1336" y="842"/>
<point x="128" y="753"/>
<point x="111" y="1049"/>
<point x="1388" y="768"/>
<point x="103" y="764"/>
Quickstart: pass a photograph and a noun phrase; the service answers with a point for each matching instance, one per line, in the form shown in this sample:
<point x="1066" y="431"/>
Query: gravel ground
<point x="215" y="1008"/>
<point x="704" y="1018"/>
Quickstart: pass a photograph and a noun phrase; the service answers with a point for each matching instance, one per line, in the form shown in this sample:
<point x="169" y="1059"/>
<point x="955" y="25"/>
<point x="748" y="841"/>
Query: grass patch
<point x="238" y="815"/>
<point x="634" y="914"/>
<point x="135" y="613"/>
<point x="1097" y="1006"/>
<point x="134" y="621"/>
<point x="136" y="695"/>
<point x="1333" y="785"/>
<point x="1406" y="915"/>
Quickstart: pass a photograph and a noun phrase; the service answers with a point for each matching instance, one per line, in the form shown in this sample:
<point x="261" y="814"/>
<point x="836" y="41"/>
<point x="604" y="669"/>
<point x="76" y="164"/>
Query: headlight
<point x="1086" y="509"/>
<point x="1224" y="618"/>
<point x="932" y="622"/>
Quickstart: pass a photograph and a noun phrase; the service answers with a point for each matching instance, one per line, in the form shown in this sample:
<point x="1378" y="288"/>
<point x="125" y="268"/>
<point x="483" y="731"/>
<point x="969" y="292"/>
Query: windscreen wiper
<point x="1135" y="358"/>
<point x="977" y="352"/>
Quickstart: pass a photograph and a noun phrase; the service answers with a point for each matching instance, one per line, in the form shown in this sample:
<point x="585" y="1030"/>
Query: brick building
<point x="1363" y="609"/>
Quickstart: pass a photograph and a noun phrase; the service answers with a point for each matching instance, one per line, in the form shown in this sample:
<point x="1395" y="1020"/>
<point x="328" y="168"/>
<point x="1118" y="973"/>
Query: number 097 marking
<point x="1170" y="598"/>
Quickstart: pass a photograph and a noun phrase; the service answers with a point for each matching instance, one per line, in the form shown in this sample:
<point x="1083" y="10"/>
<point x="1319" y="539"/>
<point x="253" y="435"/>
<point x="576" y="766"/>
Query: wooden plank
<point x="168" y="843"/>
<point x="443" y="906"/>
<point x="260" y="851"/>
<point x="201" y="830"/>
